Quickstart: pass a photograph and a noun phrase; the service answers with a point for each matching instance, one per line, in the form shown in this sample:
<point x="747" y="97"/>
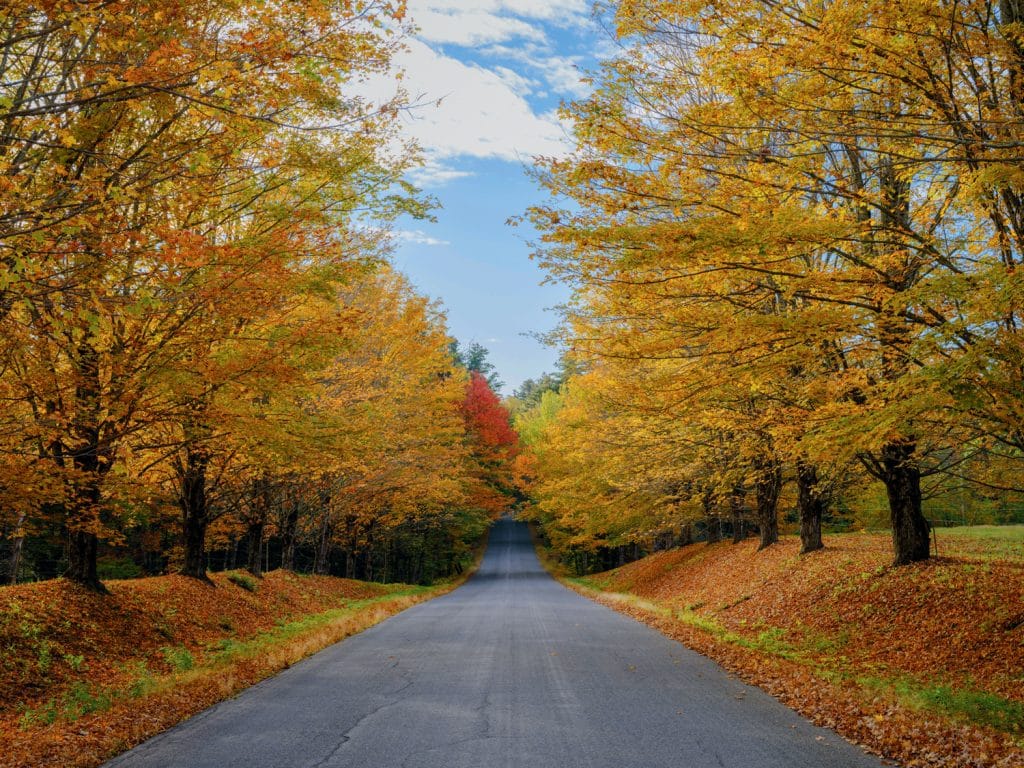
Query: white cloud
<point x="479" y="114"/>
<point x="547" y="10"/>
<point x="434" y="173"/>
<point x="472" y="28"/>
<point x="478" y="22"/>
<point x="560" y="72"/>
<point x="479" y="103"/>
<point x="419" y="237"/>
<point x="524" y="86"/>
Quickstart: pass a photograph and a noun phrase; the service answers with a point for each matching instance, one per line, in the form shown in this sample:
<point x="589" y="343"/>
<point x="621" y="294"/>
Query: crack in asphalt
<point x="511" y="670"/>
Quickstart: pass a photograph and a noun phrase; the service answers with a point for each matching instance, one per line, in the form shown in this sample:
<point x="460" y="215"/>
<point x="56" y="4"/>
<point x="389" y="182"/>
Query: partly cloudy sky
<point x="490" y="75"/>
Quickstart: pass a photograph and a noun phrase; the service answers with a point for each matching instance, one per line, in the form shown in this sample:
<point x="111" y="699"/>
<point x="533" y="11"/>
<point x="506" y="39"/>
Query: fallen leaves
<point x="838" y="635"/>
<point x="75" y="691"/>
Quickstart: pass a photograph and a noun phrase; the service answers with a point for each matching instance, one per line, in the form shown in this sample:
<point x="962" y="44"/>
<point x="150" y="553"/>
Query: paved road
<point x="511" y="669"/>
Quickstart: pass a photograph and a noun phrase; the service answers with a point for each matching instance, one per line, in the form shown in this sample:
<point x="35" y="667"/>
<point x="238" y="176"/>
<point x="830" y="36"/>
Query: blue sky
<point x="500" y="69"/>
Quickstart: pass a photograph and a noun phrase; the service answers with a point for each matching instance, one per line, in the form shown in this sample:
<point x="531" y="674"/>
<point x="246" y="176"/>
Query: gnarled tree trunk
<point x="84" y="510"/>
<point x="811" y="504"/>
<point x="902" y="477"/>
<point x="195" y="511"/>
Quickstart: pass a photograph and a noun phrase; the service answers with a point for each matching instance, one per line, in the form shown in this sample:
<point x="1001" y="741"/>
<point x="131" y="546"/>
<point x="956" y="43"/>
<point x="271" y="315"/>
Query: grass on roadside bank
<point x="923" y="664"/>
<point x="275" y="649"/>
<point x="971" y="706"/>
<point x="193" y="645"/>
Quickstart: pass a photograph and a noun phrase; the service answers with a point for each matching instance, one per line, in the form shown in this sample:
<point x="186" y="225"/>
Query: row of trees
<point x="196" y="316"/>
<point x="794" y="233"/>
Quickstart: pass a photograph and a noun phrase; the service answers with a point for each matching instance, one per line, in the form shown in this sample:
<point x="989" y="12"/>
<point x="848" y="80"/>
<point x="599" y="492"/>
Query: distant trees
<point x="788" y="229"/>
<point x="473" y="357"/>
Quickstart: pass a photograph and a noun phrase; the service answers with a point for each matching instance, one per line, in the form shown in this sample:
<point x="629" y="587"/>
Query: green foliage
<point x="118" y="568"/>
<point x="79" y="701"/>
<point x="1011" y="534"/>
<point x="973" y="706"/>
<point x="243" y="580"/>
<point x="473" y="357"/>
<point x="143" y="681"/>
<point x="178" y="658"/>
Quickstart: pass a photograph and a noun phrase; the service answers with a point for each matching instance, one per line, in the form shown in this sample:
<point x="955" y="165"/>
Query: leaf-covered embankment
<point x="85" y="676"/>
<point x="922" y="664"/>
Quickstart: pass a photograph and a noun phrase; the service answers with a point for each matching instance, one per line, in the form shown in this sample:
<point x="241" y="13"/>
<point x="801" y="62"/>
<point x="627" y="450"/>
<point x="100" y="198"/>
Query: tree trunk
<point x="82" y="550"/>
<point x="767" y="490"/>
<point x="902" y="478"/>
<point x="714" y="533"/>
<point x="83" y="542"/>
<point x="686" y="535"/>
<point x="257" y="523"/>
<point x="17" y="546"/>
<point x="254" y="539"/>
<point x="288" y="536"/>
<point x="195" y="512"/>
<point x="811" y="505"/>
<point x="323" y="546"/>
<point x="84" y="520"/>
<point x="737" y="501"/>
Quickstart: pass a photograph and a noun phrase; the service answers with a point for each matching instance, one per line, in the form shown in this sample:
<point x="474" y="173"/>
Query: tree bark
<point x="685" y="535"/>
<point x="323" y="546"/>
<point x="811" y="505"/>
<point x="254" y="540"/>
<point x="195" y="511"/>
<point x="288" y="536"/>
<point x="83" y="547"/>
<point x="714" y="533"/>
<point x="768" y="487"/>
<point x="256" y="524"/>
<point x="88" y="459"/>
<point x="17" y="546"/>
<point x="902" y="478"/>
<point x="737" y="501"/>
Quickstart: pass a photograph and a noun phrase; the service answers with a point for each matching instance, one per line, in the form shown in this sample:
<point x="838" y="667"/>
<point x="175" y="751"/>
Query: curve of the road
<point x="511" y="669"/>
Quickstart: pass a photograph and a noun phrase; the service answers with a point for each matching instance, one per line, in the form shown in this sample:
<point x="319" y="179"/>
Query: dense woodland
<point x="794" y="233"/>
<point x="205" y="359"/>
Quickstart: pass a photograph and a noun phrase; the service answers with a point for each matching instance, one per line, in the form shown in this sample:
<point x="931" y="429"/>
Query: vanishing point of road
<point x="511" y="669"/>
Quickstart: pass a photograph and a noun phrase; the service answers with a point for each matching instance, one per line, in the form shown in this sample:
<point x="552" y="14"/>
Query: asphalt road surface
<point x="511" y="669"/>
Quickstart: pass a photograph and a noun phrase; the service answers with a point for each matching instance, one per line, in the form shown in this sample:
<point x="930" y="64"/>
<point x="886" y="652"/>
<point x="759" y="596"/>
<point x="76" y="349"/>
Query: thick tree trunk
<point x="254" y="540"/>
<point x="195" y="512"/>
<point x="84" y="520"/>
<point x="685" y="535"/>
<point x="767" y="490"/>
<point x="902" y="478"/>
<point x="811" y="505"/>
<point x="737" y="501"/>
<point x="83" y="547"/>
<point x="194" y="540"/>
